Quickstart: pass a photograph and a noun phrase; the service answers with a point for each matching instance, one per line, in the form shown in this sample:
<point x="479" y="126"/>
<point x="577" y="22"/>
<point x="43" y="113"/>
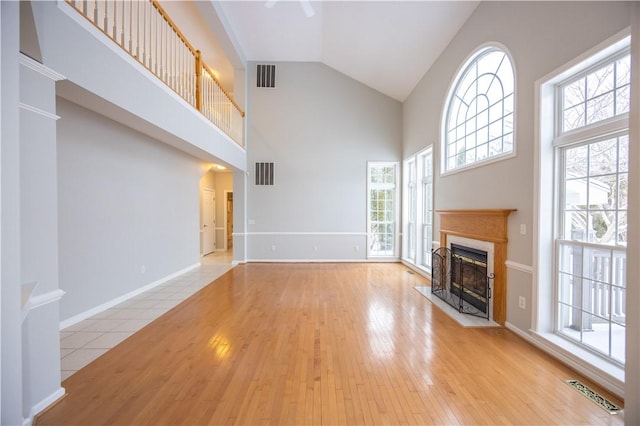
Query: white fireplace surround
<point x="478" y="245"/>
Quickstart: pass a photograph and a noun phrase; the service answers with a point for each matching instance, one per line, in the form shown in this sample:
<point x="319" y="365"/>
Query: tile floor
<point x="85" y="341"/>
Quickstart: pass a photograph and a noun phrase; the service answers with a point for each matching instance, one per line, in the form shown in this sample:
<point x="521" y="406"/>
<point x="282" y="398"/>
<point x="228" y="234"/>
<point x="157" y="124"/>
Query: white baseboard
<point x="519" y="332"/>
<point x="416" y="269"/>
<point x="607" y="380"/>
<point x="384" y="260"/>
<point x="43" y="405"/>
<point x="113" y="302"/>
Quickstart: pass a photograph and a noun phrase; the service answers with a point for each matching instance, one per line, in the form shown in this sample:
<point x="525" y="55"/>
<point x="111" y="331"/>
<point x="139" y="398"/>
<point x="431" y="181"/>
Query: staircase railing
<point x="145" y="31"/>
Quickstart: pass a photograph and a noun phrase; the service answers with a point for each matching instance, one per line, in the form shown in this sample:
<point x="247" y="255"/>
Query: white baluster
<point x="138" y="30"/>
<point x="161" y="45"/>
<point x="106" y="16"/>
<point x="131" y="26"/>
<point x="123" y="21"/>
<point x="155" y="37"/>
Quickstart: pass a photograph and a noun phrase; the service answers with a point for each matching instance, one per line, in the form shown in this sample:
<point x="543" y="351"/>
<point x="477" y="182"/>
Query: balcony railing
<point x="145" y="31"/>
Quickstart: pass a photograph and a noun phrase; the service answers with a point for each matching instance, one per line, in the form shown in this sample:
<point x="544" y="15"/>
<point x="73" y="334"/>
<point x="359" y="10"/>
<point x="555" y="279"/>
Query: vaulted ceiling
<point x="387" y="45"/>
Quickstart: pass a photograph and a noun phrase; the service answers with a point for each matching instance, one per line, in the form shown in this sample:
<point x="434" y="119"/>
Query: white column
<point x="10" y="307"/>
<point x="39" y="237"/>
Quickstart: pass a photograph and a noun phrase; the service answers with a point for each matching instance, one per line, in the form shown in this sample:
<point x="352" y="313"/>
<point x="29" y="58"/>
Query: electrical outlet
<point x="273" y="248"/>
<point x="356" y="248"/>
<point x="522" y="302"/>
<point x="143" y="269"/>
<point x="315" y="248"/>
<point x="523" y="229"/>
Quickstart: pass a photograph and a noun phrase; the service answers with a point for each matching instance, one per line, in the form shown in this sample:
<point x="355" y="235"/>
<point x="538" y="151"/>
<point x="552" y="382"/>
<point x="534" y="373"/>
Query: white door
<point x="208" y="221"/>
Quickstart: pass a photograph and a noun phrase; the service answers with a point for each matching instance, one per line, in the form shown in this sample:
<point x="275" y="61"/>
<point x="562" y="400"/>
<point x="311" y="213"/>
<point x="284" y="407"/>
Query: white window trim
<point x="418" y="159"/>
<point x="450" y="92"/>
<point x="396" y="212"/>
<point x="421" y="156"/>
<point x="543" y="312"/>
<point x="407" y="208"/>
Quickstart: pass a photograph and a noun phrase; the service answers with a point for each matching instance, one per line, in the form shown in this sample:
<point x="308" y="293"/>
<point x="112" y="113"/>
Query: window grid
<point x="479" y="122"/>
<point x="413" y="210"/>
<point x="596" y="95"/>
<point x="382" y="209"/>
<point x="592" y="215"/>
<point x="427" y="209"/>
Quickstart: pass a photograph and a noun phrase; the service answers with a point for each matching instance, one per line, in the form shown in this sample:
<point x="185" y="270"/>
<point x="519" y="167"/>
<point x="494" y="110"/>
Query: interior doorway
<point x="216" y="227"/>
<point x="228" y="215"/>
<point x="208" y="230"/>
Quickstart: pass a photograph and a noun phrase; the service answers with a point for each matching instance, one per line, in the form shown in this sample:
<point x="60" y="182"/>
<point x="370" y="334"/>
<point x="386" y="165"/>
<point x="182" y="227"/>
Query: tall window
<point x="418" y="209"/>
<point x="382" y="205"/>
<point x="412" y="195"/>
<point x="427" y="207"/>
<point x="592" y="151"/>
<point x="478" y="124"/>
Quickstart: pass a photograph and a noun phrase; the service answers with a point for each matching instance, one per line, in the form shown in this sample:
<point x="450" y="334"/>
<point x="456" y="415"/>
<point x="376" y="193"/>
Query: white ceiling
<point x="387" y="45"/>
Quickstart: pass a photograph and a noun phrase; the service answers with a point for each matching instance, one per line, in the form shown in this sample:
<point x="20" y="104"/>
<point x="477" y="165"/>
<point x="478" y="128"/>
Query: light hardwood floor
<point x="321" y="344"/>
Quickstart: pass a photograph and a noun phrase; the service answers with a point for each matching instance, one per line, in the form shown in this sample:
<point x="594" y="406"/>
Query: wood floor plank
<point x="319" y="344"/>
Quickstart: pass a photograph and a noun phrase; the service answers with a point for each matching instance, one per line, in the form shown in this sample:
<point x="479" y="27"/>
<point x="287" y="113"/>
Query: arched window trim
<point x="453" y="85"/>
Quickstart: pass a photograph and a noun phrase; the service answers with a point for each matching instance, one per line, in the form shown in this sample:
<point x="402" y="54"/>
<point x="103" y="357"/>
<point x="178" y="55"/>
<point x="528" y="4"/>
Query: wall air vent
<point x="264" y="173"/>
<point x="266" y="76"/>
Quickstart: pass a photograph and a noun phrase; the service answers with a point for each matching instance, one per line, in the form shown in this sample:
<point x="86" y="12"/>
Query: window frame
<point x="561" y="241"/>
<point x="419" y="257"/>
<point x="453" y="87"/>
<point x="559" y="105"/>
<point x="543" y="306"/>
<point x="427" y="207"/>
<point x="395" y="204"/>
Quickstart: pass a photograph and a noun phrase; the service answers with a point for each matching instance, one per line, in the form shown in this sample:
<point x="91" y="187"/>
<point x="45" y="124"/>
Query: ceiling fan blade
<point x="308" y="10"/>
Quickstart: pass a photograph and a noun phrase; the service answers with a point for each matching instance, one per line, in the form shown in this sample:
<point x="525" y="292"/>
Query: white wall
<point x="320" y="128"/>
<point x="125" y="201"/>
<point x="540" y="36"/>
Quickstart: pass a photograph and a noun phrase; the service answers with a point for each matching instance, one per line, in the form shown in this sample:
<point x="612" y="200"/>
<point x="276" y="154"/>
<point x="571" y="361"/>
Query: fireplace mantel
<point x="484" y="225"/>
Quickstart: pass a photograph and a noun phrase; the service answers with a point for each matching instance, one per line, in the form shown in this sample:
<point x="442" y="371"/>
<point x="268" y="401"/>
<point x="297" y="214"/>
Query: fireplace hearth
<point x="459" y="277"/>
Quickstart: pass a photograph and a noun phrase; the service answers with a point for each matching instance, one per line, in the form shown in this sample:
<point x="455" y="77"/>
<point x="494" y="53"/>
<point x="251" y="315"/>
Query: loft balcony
<point x="146" y="32"/>
<point x="128" y="61"/>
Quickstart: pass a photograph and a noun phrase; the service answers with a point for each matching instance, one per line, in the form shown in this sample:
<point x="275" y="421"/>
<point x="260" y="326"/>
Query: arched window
<point x="478" y="124"/>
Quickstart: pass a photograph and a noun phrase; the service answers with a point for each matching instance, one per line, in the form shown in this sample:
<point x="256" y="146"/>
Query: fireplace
<point x="484" y="230"/>
<point x="460" y="278"/>
<point x="470" y="281"/>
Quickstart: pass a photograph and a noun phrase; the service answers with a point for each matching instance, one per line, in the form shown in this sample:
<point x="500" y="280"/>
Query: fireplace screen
<point x="459" y="277"/>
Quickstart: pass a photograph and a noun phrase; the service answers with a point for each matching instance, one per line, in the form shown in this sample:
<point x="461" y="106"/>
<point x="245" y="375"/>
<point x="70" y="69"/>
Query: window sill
<point x="606" y="374"/>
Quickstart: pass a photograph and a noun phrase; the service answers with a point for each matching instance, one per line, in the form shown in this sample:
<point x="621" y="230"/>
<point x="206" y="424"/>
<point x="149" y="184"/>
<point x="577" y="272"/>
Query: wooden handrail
<point x="212" y="75"/>
<point x="198" y="57"/>
<point x="173" y="25"/>
<point x="169" y="62"/>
